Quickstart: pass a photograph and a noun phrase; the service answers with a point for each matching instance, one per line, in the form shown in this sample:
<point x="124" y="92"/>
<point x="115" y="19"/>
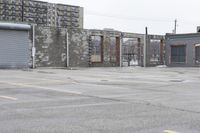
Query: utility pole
<point x="120" y="49"/>
<point x="145" y="47"/>
<point x="175" y="26"/>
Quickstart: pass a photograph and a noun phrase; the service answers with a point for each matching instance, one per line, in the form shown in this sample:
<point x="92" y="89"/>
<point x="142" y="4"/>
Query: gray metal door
<point x="14" y="47"/>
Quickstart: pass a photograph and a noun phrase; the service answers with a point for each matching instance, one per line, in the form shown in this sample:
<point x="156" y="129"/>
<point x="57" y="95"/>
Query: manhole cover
<point x="104" y="80"/>
<point x="44" y="72"/>
<point x="71" y="68"/>
<point x="176" y="80"/>
<point x="180" y="72"/>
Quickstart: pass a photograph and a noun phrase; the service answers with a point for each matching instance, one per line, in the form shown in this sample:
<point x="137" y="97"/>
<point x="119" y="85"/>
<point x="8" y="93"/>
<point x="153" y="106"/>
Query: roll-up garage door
<point x="14" y="49"/>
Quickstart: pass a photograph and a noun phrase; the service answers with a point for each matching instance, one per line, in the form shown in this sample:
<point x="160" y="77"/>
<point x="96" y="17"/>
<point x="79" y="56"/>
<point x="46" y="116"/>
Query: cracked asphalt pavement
<point x="100" y="100"/>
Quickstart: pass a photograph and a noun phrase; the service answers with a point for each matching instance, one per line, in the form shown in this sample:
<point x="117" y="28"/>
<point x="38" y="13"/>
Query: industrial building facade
<point x="41" y="13"/>
<point x="183" y="50"/>
<point x="57" y="39"/>
<point x="62" y="47"/>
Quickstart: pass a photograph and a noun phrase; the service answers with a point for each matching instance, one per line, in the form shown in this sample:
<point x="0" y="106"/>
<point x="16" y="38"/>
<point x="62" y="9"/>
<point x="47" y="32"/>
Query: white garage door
<point x="14" y="49"/>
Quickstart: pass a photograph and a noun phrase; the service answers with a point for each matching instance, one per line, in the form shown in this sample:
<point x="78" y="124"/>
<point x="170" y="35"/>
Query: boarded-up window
<point x="197" y="54"/>
<point x="96" y="48"/>
<point x="178" y="54"/>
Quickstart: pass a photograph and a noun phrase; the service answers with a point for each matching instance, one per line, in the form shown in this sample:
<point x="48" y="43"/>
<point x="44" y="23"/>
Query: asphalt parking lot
<point x="100" y="100"/>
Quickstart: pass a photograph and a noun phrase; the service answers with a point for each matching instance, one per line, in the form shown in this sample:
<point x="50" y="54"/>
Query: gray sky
<point x="134" y="15"/>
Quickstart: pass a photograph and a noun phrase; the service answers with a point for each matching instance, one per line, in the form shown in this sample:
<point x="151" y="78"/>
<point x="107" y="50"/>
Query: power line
<point x="93" y="13"/>
<point x="133" y="18"/>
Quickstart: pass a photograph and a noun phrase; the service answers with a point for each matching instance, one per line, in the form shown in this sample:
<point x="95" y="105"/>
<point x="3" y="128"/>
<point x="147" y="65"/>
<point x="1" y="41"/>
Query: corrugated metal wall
<point x="14" y="49"/>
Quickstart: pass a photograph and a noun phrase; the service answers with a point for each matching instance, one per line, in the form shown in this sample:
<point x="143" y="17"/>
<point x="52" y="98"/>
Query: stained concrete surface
<point x="100" y="100"/>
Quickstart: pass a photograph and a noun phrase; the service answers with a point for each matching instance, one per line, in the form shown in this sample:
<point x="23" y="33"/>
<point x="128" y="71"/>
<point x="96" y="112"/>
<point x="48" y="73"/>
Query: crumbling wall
<point x="51" y="47"/>
<point x="106" y="62"/>
<point x="50" y="43"/>
<point x="79" y="54"/>
<point x="78" y="48"/>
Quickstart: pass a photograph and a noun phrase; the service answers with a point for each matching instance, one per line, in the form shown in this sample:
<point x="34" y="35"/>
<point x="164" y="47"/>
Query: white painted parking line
<point x="9" y="98"/>
<point x="41" y="80"/>
<point x="169" y="131"/>
<point x="77" y="106"/>
<point x="41" y="87"/>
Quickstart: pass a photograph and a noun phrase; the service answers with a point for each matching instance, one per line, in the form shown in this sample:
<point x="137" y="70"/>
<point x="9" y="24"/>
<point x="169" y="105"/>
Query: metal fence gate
<point x="155" y="52"/>
<point x="131" y="51"/>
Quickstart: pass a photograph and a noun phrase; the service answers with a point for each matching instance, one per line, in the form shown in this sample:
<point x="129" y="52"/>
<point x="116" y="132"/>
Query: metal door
<point x="14" y="47"/>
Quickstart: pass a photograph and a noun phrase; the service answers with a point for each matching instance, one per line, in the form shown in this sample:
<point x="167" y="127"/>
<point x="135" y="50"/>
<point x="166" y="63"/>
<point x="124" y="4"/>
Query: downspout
<point x="120" y="50"/>
<point x="144" y="52"/>
<point x="67" y="40"/>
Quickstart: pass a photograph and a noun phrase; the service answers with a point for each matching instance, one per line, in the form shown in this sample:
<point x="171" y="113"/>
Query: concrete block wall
<point x="51" y="47"/>
<point x="50" y="43"/>
<point x="78" y="48"/>
<point x="106" y="62"/>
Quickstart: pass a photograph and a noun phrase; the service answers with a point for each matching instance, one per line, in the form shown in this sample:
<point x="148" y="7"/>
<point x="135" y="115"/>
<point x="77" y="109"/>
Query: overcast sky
<point x="134" y="15"/>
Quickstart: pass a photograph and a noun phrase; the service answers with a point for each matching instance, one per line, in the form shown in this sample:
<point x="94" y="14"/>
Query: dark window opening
<point x="197" y="54"/>
<point x="178" y="54"/>
<point x="96" y="49"/>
